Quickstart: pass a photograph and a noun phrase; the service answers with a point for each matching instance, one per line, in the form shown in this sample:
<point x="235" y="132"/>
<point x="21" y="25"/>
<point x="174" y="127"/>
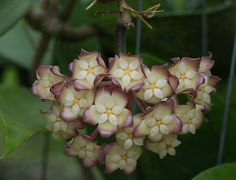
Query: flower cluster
<point x="98" y="100"/>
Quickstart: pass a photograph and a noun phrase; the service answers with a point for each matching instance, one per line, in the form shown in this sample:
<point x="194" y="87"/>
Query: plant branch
<point x="56" y="28"/>
<point x="39" y="54"/>
<point x="123" y="23"/>
<point x="45" y="37"/>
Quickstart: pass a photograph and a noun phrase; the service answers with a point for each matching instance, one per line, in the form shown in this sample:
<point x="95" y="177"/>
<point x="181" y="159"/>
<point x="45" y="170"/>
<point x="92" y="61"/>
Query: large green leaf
<point x="10" y="12"/>
<point x="19" y="44"/>
<point x="223" y="172"/>
<point x="20" y="118"/>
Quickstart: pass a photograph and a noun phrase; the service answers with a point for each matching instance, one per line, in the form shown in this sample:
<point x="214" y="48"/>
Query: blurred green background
<point x="176" y="33"/>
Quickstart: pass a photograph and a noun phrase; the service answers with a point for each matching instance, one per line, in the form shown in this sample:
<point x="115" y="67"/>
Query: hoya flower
<point x="120" y="158"/>
<point x="166" y="146"/>
<point x="206" y="63"/>
<point x="127" y="72"/>
<point x="191" y="117"/>
<point x="109" y="112"/>
<point x="85" y="148"/>
<point x="47" y="77"/>
<point x="157" y="85"/>
<point x="125" y="136"/>
<point x="88" y="70"/>
<point x="59" y="128"/>
<point x="186" y="70"/>
<point x="203" y="93"/>
<point x="75" y="102"/>
<point x="159" y="121"/>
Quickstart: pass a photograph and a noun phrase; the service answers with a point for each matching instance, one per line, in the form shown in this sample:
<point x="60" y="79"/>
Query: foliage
<point x="225" y="171"/>
<point x="20" y="118"/>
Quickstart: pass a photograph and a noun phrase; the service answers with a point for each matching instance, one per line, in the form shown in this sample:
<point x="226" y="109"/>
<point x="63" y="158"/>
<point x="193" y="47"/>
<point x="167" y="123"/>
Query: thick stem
<point x="123" y="23"/>
<point x="38" y="56"/>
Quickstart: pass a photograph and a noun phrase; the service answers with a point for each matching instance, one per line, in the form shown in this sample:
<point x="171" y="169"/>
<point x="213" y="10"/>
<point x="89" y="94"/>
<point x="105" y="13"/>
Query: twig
<point x="67" y="10"/>
<point x="56" y="28"/>
<point x="123" y="23"/>
<point x="40" y="52"/>
<point x="45" y="157"/>
<point x="227" y="104"/>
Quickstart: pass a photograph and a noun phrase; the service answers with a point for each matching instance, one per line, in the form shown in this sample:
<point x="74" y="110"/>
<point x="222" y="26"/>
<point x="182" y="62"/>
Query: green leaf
<point x="150" y="59"/>
<point x="10" y="12"/>
<point x="222" y="172"/>
<point x="20" y="117"/>
<point x="19" y="44"/>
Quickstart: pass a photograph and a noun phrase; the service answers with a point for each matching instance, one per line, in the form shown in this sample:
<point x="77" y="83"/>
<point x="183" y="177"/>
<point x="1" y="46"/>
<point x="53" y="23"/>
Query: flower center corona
<point x="90" y="69"/>
<point x="182" y="76"/>
<point x="153" y="86"/>
<point x="109" y="111"/>
<point x="127" y="72"/>
<point x="159" y="122"/>
<point x="76" y="101"/>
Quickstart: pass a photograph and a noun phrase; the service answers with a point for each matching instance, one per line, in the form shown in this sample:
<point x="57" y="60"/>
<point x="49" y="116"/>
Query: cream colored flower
<point x="186" y="70"/>
<point x="157" y="85"/>
<point x="120" y="158"/>
<point x="203" y="93"/>
<point x="166" y="146"/>
<point x="47" y="77"/>
<point x="125" y="136"/>
<point x="59" y="128"/>
<point x="85" y="148"/>
<point x="159" y="122"/>
<point x="191" y="117"/>
<point x="126" y="71"/>
<point x="75" y="102"/>
<point x="88" y="69"/>
<point x="109" y="112"/>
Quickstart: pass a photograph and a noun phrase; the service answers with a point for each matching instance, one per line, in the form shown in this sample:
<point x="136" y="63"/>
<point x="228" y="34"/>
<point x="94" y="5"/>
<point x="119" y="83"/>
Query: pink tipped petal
<point x="173" y="81"/>
<point x="177" y="125"/>
<point x="206" y="64"/>
<point x="129" y="169"/>
<point x="191" y="63"/>
<point x="56" y="71"/>
<point x="68" y="115"/>
<point x="106" y="129"/>
<point x="138" y="86"/>
<point x="41" y="70"/>
<point x="89" y="163"/>
<point x="141" y="130"/>
<point x="90" y="115"/>
<point x="213" y="80"/>
<point x="125" y="119"/>
<point x="80" y="85"/>
<point x="119" y="98"/>
<point x="199" y="79"/>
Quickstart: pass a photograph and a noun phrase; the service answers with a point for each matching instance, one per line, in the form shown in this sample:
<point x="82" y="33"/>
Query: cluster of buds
<point x="94" y="108"/>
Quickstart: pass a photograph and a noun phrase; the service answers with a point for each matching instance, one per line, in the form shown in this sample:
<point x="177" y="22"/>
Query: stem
<point x="40" y="52"/>
<point x="45" y="157"/>
<point x="123" y="23"/>
<point x="45" y="37"/>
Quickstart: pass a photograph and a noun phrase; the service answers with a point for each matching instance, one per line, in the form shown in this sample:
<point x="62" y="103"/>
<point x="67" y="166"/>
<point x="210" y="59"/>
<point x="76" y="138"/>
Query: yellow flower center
<point x="153" y="86"/>
<point x="76" y="100"/>
<point x="159" y="122"/>
<point x="168" y="146"/>
<point x="127" y="72"/>
<point x="189" y="121"/>
<point x="90" y="69"/>
<point x="182" y="76"/>
<point x="130" y="136"/>
<point x="124" y="157"/>
<point x="109" y="111"/>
